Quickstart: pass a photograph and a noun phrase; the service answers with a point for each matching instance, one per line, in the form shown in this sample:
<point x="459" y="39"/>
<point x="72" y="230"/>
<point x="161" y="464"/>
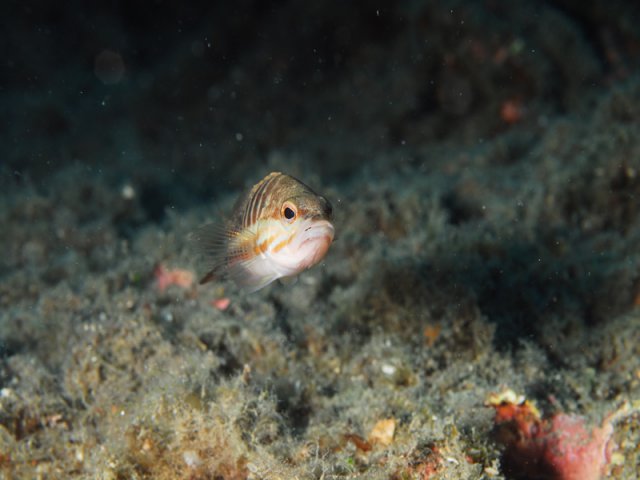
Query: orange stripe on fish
<point x="281" y="245"/>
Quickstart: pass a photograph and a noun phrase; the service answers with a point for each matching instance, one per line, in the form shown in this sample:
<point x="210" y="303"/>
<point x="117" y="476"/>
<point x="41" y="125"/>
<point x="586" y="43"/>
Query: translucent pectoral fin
<point x="222" y="247"/>
<point x="253" y="274"/>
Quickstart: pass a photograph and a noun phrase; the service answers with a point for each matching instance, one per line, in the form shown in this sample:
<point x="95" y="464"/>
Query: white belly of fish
<point x="288" y="253"/>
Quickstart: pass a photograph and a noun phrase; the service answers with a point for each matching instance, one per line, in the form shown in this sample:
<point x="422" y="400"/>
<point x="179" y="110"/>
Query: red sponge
<point x="561" y="447"/>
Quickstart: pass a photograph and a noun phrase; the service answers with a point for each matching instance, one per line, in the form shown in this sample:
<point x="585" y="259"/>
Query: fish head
<point x="306" y="220"/>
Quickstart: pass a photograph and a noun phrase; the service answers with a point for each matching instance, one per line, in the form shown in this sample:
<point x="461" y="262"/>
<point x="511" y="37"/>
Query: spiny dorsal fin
<point x="256" y="199"/>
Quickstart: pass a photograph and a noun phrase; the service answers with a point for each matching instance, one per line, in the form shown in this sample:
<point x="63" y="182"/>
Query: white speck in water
<point x="128" y="192"/>
<point x="388" y="369"/>
<point x="239" y="137"/>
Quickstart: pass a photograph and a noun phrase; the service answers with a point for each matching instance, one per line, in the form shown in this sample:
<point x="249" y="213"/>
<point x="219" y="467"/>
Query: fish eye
<point x="289" y="211"/>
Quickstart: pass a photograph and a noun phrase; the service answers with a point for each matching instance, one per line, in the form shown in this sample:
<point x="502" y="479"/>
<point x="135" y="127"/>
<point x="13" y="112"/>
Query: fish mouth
<point x="319" y="229"/>
<point x="309" y="245"/>
<point x="316" y="239"/>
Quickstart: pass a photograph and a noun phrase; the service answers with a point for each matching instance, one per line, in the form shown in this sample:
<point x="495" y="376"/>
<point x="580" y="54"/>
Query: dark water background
<point x="483" y="160"/>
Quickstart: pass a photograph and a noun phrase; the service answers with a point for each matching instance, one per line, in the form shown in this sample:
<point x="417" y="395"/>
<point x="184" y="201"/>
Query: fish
<point x="280" y="228"/>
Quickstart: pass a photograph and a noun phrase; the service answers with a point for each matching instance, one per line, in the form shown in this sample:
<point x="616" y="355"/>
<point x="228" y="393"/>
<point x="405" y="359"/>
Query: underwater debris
<point x="512" y="111"/>
<point x="360" y="443"/>
<point x="423" y="464"/>
<point x="165" y="278"/>
<point x="382" y="432"/>
<point x="431" y="334"/>
<point x="221" y="303"/>
<point x="560" y="447"/>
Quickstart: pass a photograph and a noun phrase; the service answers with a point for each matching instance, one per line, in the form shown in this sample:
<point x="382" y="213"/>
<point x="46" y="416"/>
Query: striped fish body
<point x="280" y="228"/>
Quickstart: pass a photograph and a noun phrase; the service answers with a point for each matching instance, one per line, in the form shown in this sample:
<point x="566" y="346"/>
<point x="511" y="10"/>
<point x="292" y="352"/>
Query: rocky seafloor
<point x="483" y="161"/>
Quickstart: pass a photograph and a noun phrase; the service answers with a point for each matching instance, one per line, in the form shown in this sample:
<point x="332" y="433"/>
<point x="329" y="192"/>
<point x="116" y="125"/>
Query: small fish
<point x="280" y="228"/>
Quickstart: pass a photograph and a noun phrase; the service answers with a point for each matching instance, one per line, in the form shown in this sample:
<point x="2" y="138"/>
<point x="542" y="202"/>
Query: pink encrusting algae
<point x="560" y="447"/>
<point x="164" y="277"/>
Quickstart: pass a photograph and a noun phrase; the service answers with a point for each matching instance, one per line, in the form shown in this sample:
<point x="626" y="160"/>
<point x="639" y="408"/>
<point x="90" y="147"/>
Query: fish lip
<point x="325" y="225"/>
<point x="317" y="239"/>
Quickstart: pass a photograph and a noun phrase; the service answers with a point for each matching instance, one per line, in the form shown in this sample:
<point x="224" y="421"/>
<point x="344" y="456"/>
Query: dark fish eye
<point x="289" y="211"/>
<point x="289" y="214"/>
